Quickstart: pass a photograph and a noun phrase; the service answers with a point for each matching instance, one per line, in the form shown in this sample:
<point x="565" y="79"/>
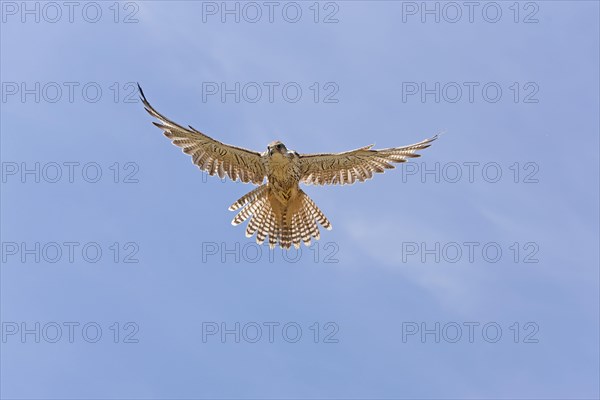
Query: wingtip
<point x="144" y="100"/>
<point x="427" y="142"/>
<point x="141" y="91"/>
<point x="437" y="135"/>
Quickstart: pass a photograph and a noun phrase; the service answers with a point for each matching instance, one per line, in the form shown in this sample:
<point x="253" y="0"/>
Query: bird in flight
<point x="279" y="209"/>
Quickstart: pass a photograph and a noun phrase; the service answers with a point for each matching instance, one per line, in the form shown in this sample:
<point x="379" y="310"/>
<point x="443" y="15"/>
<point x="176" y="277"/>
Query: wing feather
<point x="355" y="165"/>
<point x="209" y="154"/>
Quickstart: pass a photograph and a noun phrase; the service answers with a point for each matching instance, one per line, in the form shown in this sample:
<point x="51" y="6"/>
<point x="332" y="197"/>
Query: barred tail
<point x="288" y="224"/>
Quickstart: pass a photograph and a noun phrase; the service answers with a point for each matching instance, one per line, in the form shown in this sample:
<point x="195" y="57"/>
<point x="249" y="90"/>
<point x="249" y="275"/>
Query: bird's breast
<point x="283" y="175"/>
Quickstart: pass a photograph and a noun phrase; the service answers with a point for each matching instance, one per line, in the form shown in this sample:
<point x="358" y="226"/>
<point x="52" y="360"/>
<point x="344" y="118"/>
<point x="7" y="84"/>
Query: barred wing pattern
<point x="359" y="164"/>
<point x="209" y="154"/>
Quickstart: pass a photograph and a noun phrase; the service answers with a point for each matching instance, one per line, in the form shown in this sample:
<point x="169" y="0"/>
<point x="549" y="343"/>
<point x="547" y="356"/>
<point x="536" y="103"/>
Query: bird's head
<point x="276" y="147"/>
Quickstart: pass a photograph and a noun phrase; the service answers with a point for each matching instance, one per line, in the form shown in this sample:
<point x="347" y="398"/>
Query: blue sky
<point x="367" y="282"/>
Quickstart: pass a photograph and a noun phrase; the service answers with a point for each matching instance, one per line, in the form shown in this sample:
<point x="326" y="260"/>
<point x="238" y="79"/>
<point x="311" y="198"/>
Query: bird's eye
<point x="279" y="146"/>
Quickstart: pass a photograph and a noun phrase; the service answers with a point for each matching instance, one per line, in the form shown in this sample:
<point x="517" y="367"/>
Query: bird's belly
<point x="283" y="180"/>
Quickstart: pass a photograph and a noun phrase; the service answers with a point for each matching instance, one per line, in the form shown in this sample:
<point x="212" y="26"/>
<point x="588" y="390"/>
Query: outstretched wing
<point x="209" y="154"/>
<point x="359" y="164"/>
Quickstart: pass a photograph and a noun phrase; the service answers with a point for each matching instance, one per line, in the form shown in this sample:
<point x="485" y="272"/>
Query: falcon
<point x="279" y="209"/>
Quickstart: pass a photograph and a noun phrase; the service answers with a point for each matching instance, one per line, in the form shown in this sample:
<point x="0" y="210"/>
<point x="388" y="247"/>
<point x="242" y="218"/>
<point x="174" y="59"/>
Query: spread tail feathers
<point x="286" y="224"/>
